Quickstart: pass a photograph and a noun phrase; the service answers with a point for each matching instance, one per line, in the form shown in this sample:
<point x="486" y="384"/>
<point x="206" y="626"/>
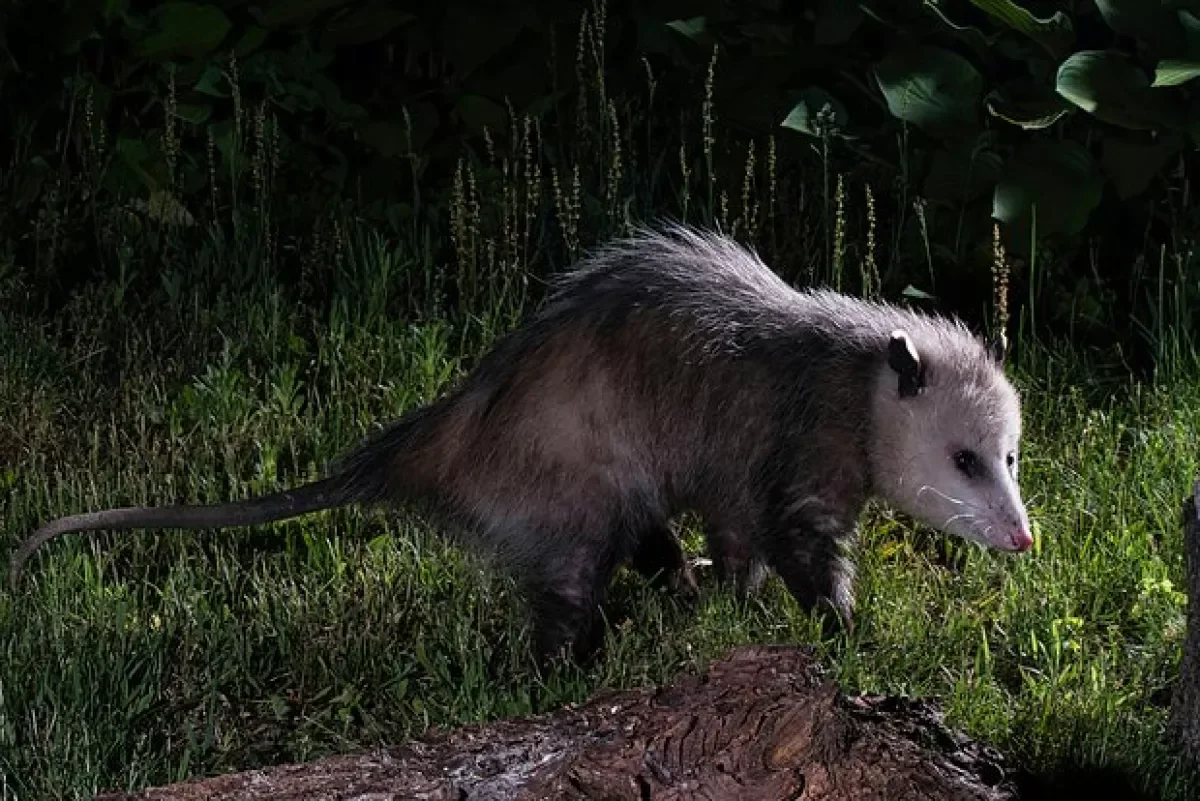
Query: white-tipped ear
<point x="906" y="362"/>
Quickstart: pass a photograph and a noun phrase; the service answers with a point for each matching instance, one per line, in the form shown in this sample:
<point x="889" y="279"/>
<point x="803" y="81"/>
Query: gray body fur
<point x="674" y="371"/>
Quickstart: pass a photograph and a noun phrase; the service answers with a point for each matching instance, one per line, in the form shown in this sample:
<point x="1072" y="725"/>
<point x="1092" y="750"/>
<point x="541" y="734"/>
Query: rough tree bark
<point x="1185" y="697"/>
<point x="760" y="725"/>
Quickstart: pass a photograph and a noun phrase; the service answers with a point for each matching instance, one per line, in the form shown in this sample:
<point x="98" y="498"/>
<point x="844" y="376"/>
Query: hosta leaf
<point x="803" y="116"/>
<point x="473" y="39"/>
<point x="1059" y="179"/>
<point x="30" y="177"/>
<point x="183" y="29"/>
<point x="935" y="89"/>
<point x="132" y="153"/>
<point x="1107" y="86"/>
<point x="388" y="138"/>
<point x="1172" y="72"/>
<point x="1148" y="20"/>
<point x="212" y="82"/>
<point x="366" y="24"/>
<point x="296" y="12"/>
<point x="836" y="22"/>
<point x="911" y="291"/>
<point x="196" y="113"/>
<point x="252" y="39"/>
<point x="478" y="111"/>
<point x="695" y="28"/>
<point x="1055" y="34"/>
<point x="113" y="10"/>
<point x="961" y="174"/>
<point x="1191" y="30"/>
<point x="968" y="33"/>
<point x="1132" y="165"/>
<point x="1031" y="109"/>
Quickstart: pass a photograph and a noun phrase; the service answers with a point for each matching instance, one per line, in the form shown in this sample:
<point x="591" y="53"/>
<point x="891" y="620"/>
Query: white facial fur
<point x="966" y="406"/>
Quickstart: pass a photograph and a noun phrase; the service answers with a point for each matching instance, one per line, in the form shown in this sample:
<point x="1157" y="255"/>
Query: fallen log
<point x="762" y="724"/>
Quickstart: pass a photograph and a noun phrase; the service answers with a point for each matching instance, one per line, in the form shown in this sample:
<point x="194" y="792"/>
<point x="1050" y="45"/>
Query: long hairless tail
<point x="325" y="493"/>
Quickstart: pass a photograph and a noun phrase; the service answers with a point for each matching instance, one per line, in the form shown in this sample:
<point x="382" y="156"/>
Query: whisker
<point x="934" y="489"/>
<point x="961" y="516"/>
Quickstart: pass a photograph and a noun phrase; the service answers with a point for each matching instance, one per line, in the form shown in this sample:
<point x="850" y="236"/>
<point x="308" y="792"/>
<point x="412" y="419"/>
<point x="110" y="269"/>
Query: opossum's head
<point x="947" y="429"/>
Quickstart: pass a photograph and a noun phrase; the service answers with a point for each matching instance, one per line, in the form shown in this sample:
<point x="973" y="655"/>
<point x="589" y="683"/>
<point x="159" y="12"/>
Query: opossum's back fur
<point x="671" y="370"/>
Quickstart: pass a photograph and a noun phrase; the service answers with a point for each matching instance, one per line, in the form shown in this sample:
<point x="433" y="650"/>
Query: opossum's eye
<point x="1011" y="461"/>
<point x="967" y="463"/>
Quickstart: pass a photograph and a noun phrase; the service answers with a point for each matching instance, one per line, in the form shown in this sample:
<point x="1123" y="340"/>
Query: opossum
<point x="672" y="371"/>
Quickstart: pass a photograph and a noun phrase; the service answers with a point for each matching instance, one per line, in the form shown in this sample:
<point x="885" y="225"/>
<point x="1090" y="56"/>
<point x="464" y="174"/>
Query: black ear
<point x="904" y="359"/>
<point x="997" y="347"/>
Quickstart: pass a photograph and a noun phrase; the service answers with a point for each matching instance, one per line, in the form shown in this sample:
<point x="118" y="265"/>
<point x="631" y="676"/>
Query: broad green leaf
<point x="299" y="96"/>
<point x="1059" y="180"/>
<point x="424" y="118"/>
<point x="477" y="111"/>
<point x="836" y="22"/>
<point x="911" y="291"/>
<point x="769" y="33"/>
<point x="1132" y="165"/>
<point x="473" y="39"/>
<point x="961" y="174"/>
<point x="695" y="28"/>
<point x="296" y="12"/>
<point x="803" y="116"/>
<point x="522" y="80"/>
<point x="1191" y="31"/>
<point x="1148" y="20"/>
<point x="363" y="25"/>
<point x="78" y="27"/>
<point x="969" y="33"/>
<point x="114" y="9"/>
<point x="184" y="29"/>
<point x="1055" y="34"/>
<point x="387" y="138"/>
<point x="1107" y="86"/>
<point x="223" y="134"/>
<point x="936" y="90"/>
<point x="252" y="39"/>
<point x="1030" y="107"/>
<point x="690" y="28"/>
<point x="212" y="82"/>
<point x="193" y="112"/>
<point x="133" y="154"/>
<point x="30" y="177"/>
<point x="1172" y="72"/>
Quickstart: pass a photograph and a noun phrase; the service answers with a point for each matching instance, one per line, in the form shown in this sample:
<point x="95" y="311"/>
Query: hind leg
<point x="808" y="544"/>
<point x="659" y="557"/>
<point x="565" y="593"/>
<point x="566" y="624"/>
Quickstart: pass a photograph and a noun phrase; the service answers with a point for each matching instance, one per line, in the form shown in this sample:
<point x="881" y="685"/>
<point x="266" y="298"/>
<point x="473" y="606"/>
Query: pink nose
<point x="1022" y="540"/>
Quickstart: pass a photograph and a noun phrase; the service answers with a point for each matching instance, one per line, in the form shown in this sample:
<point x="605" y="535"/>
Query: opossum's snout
<point x="1017" y="539"/>
<point x="1022" y="540"/>
<point x="1011" y="532"/>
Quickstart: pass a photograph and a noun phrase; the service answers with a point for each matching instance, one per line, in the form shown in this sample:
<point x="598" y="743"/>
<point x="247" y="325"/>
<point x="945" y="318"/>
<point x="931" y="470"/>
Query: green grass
<point x="148" y="657"/>
<point x="143" y="658"/>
